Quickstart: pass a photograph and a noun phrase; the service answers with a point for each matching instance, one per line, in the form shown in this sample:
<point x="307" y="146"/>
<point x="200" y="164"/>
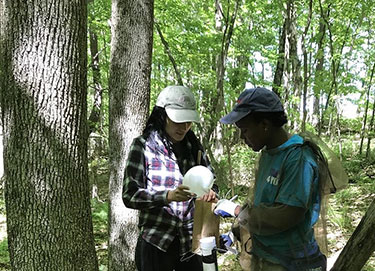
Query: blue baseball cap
<point x="253" y="100"/>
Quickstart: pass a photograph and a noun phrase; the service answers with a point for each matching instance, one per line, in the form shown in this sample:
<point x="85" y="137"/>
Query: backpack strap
<point x="322" y="164"/>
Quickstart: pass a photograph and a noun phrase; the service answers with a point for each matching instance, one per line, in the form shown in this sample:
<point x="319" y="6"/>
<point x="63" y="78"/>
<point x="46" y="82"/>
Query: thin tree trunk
<point x="360" y="245"/>
<point x="170" y="56"/>
<point x="129" y="84"/>
<point x="295" y="62"/>
<point x="280" y="66"/>
<point x="364" y="124"/>
<point x="335" y="63"/>
<point x="222" y="57"/>
<point x="370" y="128"/>
<point x="214" y="104"/>
<point x="231" y="179"/>
<point x="43" y="100"/>
<point x="338" y="129"/>
<point x="306" y="75"/>
<point x="218" y="98"/>
<point x="94" y="118"/>
<point x="318" y="82"/>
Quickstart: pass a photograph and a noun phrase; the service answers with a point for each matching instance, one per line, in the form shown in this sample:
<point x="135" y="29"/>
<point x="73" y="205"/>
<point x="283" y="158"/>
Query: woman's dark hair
<point x="156" y="122"/>
<point x="277" y="119"/>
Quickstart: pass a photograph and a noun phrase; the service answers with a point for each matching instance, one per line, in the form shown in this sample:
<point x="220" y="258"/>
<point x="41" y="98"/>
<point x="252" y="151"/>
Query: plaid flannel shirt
<point x="150" y="173"/>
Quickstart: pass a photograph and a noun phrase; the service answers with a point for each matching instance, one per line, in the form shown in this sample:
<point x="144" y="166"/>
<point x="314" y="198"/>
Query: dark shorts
<point x="150" y="258"/>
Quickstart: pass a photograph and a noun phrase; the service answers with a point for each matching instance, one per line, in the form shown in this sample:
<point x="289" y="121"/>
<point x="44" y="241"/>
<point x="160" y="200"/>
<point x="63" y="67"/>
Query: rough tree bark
<point x="43" y="101"/>
<point x="360" y="245"/>
<point x="129" y="86"/>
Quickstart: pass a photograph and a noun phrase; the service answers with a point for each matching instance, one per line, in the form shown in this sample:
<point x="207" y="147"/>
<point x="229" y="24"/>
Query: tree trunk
<point x="364" y="124"/>
<point x="224" y="25"/>
<point x="335" y="61"/>
<point x="170" y="56"/>
<point x="129" y="84"/>
<point x="360" y="245"/>
<point x="43" y="100"/>
<point x="94" y="118"/>
<point x="319" y="70"/>
<point x="371" y="128"/>
<point x="306" y="75"/>
<point x="295" y="63"/>
<point x="280" y="66"/>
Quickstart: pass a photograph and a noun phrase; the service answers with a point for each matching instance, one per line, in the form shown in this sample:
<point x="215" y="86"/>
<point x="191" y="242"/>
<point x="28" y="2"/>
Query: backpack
<point x="332" y="175"/>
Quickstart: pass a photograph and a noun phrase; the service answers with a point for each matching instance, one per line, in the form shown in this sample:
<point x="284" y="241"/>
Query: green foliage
<point x="99" y="13"/>
<point x="351" y="126"/>
<point x="229" y="262"/>
<point x="359" y="168"/>
<point x="339" y="217"/>
<point x="243" y="163"/>
<point x="4" y="255"/>
<point x="100" y="222"/>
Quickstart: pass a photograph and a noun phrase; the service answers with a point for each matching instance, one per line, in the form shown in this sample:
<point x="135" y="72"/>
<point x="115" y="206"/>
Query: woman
<point x="157" y="161"/>
<point x="286" y="202"/>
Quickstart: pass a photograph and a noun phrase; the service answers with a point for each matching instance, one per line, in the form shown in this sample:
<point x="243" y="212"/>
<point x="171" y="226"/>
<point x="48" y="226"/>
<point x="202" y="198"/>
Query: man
<point x="286" y="201"/>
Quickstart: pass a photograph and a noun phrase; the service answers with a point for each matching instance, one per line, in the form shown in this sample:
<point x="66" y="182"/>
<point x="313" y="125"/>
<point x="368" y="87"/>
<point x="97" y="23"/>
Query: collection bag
<point x="206" y="223"/>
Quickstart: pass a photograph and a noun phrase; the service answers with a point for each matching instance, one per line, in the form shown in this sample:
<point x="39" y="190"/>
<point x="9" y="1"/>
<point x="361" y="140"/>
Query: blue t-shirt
<point x="289" y="175"/>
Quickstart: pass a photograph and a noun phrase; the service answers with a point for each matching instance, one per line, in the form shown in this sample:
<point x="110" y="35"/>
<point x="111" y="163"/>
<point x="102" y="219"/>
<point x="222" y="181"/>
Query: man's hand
<point x="181" y="193"/>
<point x="226" y="208"/>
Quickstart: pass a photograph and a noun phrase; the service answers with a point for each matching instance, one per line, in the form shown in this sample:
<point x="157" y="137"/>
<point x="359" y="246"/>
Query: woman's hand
<point x="210" y="196"/>
<point x="181" y="193"/>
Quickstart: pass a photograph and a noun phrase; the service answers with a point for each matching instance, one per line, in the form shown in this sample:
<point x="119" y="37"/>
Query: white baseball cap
<point x="179" y="103"/>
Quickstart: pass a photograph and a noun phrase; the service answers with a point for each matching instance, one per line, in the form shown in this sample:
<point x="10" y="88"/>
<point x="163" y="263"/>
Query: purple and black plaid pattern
<point x="149" y="173"/>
